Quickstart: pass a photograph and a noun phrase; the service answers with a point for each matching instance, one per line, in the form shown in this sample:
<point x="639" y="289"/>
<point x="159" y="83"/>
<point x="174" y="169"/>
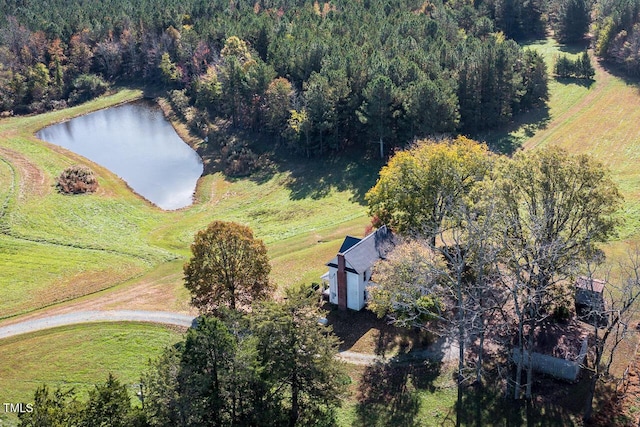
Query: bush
<point x="562" y="313"/>
<point x="180" y="103"/>
<point x="77" y="180"/>
<point x="86" y="87"/>
<point x="239" y="160"/>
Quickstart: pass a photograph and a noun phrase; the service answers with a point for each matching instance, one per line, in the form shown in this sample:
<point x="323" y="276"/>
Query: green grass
<point x="78" y="356"/>
<point x="598" y="118"/>
<point x="113" y="236"/>
<point x="564" y="94"/>
<point x="426" y="395"/>
<point x="601" y="120"/>
<point x="39" y="274"/>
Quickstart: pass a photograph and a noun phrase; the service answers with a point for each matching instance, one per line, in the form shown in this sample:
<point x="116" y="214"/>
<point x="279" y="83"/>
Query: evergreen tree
<point x="108" y="405"/>
<point x="377" y="109"/>
<point x="298" y="356"/>
<point x="583" y="64"/>
<point x="572" y="21"/>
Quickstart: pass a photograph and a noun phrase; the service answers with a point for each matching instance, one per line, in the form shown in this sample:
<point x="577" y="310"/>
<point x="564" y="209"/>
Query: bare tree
<point x="555" y="208"/>
<point x="611" y="321"/>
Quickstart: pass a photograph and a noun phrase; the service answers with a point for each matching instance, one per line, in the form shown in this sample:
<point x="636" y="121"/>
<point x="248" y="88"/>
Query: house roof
<point x="362" y="254"/>
<point x="348" y="243"/>
<point x="588" y="284"/>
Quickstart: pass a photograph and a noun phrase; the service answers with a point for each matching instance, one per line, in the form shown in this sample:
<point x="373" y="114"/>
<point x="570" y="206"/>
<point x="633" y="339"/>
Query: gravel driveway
<point x="441" y="351"/>
<point x="96" y="316"/>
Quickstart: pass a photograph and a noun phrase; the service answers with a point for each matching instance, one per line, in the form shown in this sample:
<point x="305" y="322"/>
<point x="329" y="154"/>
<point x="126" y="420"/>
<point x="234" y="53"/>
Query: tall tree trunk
<point x="480" y="360"/>
<point x="295" y="409"/>
<point x="461" y="330"/>
<point x="520" y="362"/>
<point x="532" y="325"/>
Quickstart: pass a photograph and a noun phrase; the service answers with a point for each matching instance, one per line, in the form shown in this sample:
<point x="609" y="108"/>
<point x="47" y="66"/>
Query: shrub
<point x="562" y="313"/>
<point x="239" y="160"/>
<point x="180" y="103"/>
<point x="77" y="180"/>
<point x="86" y="87"/>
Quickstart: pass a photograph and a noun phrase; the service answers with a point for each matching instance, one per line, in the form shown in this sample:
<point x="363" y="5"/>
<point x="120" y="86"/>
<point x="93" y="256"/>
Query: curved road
<point x="442" y="350"/>
<point x="95" y="316"/>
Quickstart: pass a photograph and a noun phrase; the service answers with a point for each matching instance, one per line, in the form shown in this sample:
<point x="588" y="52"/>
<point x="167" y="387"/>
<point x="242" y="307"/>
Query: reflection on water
<point x="135" y="142"/>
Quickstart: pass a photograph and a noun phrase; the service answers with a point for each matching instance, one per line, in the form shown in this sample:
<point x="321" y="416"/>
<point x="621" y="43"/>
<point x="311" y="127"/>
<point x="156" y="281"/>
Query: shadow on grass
<point x="621" y="72"/>
<point x="510" y="138"/>
<point x="315" y="177"/>
<point x="574" y="81"/>
<point x="388" y="394"/>
<point x="372" y="335"/>
<point x="574" y="48"/>
<point x="485" y="406"/>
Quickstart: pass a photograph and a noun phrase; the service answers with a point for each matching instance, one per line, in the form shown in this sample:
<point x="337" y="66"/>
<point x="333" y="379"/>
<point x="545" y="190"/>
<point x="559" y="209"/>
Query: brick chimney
<point x="342" y="283"/>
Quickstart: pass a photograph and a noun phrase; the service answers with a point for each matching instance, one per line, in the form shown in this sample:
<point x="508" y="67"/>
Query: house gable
<point x="348" y="270"/>
<point x="362" y="254"/>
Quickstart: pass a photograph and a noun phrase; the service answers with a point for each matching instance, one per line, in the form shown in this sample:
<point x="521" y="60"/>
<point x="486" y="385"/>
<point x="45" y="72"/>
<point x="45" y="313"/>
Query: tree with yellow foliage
<point x="419" y="187"/>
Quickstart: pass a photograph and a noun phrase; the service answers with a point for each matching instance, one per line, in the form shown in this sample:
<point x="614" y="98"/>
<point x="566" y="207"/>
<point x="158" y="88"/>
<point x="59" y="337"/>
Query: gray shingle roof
<point x="364" y="253"/>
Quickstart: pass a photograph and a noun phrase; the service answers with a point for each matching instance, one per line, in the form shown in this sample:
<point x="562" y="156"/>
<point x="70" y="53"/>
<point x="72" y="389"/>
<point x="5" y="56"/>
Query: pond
<point x="138" y="144"/>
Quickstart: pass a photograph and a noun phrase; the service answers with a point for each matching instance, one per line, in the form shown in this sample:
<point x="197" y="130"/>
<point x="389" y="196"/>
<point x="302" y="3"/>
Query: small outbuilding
<point x="589" y="298"/>
<point x="350" y="271"/>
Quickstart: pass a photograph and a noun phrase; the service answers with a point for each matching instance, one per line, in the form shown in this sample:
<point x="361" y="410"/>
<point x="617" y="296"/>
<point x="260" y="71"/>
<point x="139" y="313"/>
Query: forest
<point x="318" y="77"/>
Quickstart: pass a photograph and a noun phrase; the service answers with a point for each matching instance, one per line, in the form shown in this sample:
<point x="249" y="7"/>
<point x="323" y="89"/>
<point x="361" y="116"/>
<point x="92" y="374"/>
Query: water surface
<point x="138" y="144"/>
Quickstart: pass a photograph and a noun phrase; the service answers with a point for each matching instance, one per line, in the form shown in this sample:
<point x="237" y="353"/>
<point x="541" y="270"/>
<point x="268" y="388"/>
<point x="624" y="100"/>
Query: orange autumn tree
<point x="228" y="268"/>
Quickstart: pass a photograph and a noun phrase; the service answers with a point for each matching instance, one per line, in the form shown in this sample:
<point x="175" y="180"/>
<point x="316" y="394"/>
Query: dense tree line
<point x="617" y="33"/>
<point x="317" y="76"/>
<point x="570" y="19"/>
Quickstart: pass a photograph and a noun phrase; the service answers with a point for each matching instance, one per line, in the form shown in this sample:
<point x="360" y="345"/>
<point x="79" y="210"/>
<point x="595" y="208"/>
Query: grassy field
<point x="115" y="250"/>
<point x="78" y="357"/>
<point x="598" y="118"/>
<point x="56" y="248"/>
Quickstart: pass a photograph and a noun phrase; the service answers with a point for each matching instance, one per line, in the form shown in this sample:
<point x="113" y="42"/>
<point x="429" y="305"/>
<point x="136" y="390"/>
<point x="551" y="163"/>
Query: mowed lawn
<point x="55" y="248"/>
<point x="79" y="357"/>
<point x="601" y="120"/>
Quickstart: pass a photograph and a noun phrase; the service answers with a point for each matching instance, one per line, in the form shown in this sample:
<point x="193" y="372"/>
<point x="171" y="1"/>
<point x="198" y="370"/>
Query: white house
<point x="350" y="271"/>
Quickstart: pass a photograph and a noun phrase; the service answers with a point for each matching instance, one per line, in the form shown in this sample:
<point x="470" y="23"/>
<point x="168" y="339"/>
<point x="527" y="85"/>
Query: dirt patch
<point x="153" y="293"/>
<point x="560" y="339"/>
<point x="627" y="399"/>
<point x="33" y="181"/>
